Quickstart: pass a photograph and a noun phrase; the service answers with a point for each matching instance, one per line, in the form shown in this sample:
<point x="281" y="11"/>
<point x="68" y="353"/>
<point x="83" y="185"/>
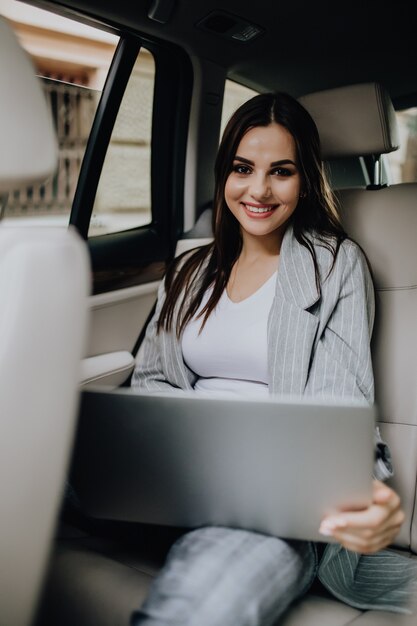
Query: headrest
<point x="28" y="147"/>
<point x="356" y="120"/>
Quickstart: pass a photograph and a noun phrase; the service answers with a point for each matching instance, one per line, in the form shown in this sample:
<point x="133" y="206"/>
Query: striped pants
<point x="217" y="576"/>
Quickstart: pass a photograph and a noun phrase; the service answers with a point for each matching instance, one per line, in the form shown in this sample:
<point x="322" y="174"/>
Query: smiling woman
<point x="294" y="137"/>
<point x="272" y="206"/>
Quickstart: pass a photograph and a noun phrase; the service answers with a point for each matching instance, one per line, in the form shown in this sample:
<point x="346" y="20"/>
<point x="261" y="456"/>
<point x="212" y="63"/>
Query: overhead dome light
<point x="230" y="26"/>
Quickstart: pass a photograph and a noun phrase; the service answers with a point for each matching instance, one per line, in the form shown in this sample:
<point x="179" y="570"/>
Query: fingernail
<point x="328" y="526"/>
<point x="326" y="530"/>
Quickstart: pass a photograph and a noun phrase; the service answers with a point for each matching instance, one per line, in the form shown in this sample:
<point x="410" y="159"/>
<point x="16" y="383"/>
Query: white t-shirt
<point x="230" y="354"/>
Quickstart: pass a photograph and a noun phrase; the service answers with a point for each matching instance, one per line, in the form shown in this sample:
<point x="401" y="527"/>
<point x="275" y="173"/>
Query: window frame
<point x="139" y="255"/>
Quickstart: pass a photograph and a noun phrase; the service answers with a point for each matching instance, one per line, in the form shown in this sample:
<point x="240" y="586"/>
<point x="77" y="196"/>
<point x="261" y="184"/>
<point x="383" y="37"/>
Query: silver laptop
<point x="185" y="460"/>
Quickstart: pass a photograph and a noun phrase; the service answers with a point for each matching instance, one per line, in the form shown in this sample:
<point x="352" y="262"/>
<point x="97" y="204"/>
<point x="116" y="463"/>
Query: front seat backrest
<point x="44" y="284"/>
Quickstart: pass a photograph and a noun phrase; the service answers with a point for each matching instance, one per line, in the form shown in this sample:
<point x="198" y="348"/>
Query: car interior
<point x="75" y="320"/>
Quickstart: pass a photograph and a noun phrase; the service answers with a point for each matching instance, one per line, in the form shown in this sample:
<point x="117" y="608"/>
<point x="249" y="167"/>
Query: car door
<point x="131" y="187"/>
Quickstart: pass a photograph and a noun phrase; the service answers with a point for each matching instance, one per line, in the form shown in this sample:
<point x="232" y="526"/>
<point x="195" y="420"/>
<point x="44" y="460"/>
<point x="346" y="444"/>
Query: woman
<point x="282" y="303"/>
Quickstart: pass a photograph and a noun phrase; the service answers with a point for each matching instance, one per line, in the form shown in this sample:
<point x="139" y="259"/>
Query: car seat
<point x="383" y="220"/>
<point x="44" y="282"/>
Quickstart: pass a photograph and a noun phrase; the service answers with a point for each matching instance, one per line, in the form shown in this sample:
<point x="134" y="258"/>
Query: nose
<point x="260" y="188"/>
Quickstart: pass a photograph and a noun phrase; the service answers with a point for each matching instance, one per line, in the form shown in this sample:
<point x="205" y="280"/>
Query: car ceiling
<point x="306" y="46"/>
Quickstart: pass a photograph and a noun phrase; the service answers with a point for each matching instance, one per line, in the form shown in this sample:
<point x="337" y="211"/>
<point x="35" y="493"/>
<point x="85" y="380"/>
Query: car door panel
<point x="116" y="321"/>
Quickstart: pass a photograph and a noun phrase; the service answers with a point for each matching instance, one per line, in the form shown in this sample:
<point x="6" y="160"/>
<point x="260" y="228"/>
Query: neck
<point x="254" y="247"/>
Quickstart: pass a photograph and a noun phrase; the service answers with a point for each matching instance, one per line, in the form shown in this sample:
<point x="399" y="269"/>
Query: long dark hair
<point x="316" y="212"/>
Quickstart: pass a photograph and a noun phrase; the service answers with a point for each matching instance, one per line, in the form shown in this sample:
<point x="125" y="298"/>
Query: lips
<point x="259" y="210"/>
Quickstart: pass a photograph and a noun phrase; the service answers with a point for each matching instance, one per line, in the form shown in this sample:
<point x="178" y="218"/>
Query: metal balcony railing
<point x="73" y="108"/>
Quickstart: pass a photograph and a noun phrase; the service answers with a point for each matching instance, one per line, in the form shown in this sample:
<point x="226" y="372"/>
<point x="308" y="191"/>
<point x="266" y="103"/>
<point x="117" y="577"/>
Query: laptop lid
<point x="273" y="466"/>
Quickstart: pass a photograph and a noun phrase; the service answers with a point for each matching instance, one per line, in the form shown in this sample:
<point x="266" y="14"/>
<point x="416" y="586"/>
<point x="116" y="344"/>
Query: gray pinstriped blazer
<point x="318" y="344"/>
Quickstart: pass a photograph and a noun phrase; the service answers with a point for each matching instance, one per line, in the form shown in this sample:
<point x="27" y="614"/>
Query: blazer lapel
<point x="291" y="328"/>
<point x="175" y="368"/>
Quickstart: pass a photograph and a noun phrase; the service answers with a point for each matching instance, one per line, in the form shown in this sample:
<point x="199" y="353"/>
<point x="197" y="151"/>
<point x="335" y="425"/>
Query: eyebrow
<point x="274" y="164"/>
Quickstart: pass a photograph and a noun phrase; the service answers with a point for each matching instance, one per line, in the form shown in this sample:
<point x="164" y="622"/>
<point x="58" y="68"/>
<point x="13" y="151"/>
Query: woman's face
<point x="263" y="188"/>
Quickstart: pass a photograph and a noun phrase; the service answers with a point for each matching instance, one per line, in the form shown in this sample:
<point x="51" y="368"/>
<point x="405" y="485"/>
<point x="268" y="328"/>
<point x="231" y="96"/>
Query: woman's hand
<point x="371" y="529"/>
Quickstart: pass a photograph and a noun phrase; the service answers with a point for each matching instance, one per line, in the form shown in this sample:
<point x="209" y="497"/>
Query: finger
<point x="370" y="518"/>
<point x="391" y="501"/>
<point x="370" y="534"/>
<point x="372" y="524"/>
<point x="368" y="540"/>
<point x="376" y="514"/>
<point x="365" y="545"/>
<point x="382" y="494"/>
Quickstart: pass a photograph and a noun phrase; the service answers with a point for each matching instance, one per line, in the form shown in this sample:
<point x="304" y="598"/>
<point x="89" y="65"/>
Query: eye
<point x="281" y="171"/>
<point x="239" y="168"/>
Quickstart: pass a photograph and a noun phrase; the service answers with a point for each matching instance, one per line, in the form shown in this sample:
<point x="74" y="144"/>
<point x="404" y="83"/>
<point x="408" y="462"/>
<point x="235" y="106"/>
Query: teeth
<point x="254" y="209"/>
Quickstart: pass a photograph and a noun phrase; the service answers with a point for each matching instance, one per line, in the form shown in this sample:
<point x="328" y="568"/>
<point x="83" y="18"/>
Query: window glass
<point x="123" y="198"/>
<point x="401" y="164"/>
<point x="234" y="95"/>
<point x="72" y="61"/>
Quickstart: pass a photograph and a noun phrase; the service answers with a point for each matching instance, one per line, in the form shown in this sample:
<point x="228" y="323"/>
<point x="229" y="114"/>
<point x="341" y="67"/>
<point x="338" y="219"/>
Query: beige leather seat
<point x="383" y="220"/>
<point x="94" y="581"/>
<point x="44" y="282"/>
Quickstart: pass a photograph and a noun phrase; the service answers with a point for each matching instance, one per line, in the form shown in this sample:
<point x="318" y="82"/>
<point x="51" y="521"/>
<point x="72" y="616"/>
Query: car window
<point x="234" y="95"/>
<point x="123" y="198"/>
<point x="72" y="61"/>
<point x="402" y="164"/>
